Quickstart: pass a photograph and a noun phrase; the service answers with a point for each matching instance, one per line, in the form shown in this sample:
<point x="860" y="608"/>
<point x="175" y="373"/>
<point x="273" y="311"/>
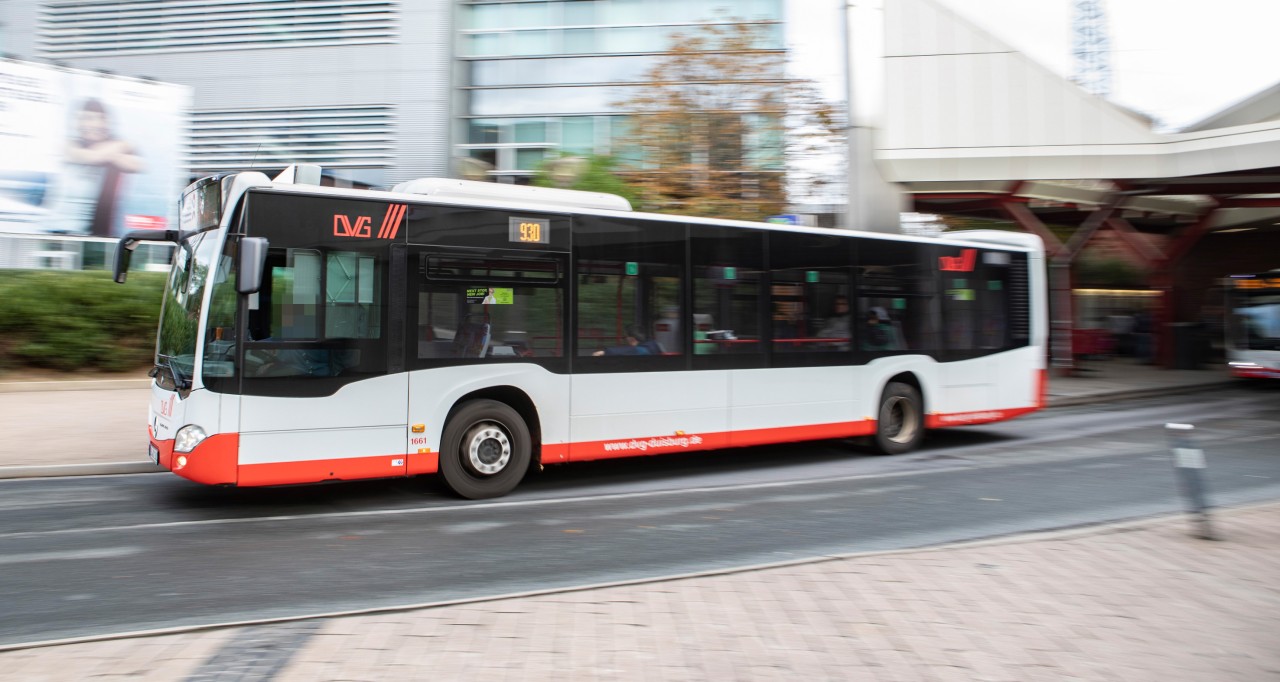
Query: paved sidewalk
<point x="1139" y="601"/>
<point x="64" y="426"/>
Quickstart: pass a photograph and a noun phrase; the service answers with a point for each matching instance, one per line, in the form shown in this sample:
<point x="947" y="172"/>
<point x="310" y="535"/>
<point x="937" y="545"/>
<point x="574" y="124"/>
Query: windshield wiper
<point x="180" y="380"/>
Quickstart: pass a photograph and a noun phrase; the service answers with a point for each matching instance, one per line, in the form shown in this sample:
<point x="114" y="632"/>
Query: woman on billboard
<point x="96" y="160"/>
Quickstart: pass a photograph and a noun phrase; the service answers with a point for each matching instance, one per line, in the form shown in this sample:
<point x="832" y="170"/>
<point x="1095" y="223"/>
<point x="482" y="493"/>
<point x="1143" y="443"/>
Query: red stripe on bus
<point x="555" y="453"/>
<point x="165" y="447"/>
<point x="682" y="442"/>
<point x="316" y="471"/>
<point x="391" y="221"/>
<point x="787" y="434"/>
<point x="212" y="462"/>
<point x="1255" y="373"/>
<point x="423" y="463"/>
<point x="386" y="220"/>
<point x="938" y="421"/>
<point x="395" y="221"/>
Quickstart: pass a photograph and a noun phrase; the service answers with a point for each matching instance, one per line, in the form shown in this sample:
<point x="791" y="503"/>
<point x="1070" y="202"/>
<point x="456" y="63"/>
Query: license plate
<point x="154" y="453"/>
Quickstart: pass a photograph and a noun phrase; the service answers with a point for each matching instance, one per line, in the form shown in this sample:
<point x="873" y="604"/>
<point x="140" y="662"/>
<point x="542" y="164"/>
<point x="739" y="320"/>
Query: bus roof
<point x="517" y="197"/>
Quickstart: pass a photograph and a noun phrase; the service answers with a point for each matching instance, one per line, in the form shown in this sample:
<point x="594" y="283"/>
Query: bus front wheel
<point x="485" y="451"/>
<point x="901" y="419"/>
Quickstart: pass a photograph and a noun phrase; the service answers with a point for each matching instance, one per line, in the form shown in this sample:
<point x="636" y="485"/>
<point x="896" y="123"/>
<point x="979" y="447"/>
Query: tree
<point x="718" y="129"/>
<point x="591" y="174"/>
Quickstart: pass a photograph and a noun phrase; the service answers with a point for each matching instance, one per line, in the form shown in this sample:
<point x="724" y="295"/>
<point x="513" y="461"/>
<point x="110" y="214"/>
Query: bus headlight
<point x="188" y="438"/>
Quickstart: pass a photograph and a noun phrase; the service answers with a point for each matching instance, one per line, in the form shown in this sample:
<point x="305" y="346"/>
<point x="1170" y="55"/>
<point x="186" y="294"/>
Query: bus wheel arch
<point x="486" y="448"/>
<point x="517" y="400"/>
<point x="900" y="415"/>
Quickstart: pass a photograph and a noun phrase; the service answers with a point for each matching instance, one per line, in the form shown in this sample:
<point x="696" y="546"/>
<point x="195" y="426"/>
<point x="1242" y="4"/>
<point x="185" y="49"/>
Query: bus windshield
<point x="180" y="314"/>
<point x="1256" y="315"/>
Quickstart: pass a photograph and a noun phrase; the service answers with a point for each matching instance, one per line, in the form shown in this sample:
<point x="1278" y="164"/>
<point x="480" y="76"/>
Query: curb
<point x="94" y="469"/>
<point x="1137" y="393"/>
<point x="72" y="385"/>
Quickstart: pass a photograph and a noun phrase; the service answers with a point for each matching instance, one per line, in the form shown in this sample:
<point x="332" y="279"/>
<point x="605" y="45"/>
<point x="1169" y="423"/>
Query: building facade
<point x="361" y="87"/>
<point x="380" y="91"/>
<point x="541" y="78"/>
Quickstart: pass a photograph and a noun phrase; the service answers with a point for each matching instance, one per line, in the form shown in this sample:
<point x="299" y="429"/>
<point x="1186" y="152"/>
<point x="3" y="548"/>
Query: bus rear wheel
<point x="900" y="425"/>
<point x="485" y="451"/>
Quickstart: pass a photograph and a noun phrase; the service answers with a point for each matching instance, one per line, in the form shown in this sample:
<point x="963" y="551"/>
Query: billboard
<point x="84" y="153"/>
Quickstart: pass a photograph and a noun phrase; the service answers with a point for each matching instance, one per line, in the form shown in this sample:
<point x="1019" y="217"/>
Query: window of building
<point x="92" y="29"/>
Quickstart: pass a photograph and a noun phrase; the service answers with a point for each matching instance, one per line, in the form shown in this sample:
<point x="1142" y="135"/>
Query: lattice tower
<point x="1090" y="47"/>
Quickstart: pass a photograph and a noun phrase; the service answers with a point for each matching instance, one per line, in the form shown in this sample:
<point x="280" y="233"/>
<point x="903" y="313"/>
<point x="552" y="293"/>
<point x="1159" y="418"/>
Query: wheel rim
<point x="901" y="420"/>
<point x="488" y="448"/>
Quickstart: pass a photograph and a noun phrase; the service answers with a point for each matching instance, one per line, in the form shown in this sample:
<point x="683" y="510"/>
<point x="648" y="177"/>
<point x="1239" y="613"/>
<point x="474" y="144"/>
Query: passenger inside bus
<point x="635" y="343"/>
<point x="703" y="325"/>
<point x="471" y="340"/>
<point x="880" y="333"/>
<point x="837" y="326"/>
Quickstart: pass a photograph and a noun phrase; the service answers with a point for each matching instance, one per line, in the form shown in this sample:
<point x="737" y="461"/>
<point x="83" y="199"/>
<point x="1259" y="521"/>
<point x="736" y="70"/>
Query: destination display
<point x="530" y="230"/>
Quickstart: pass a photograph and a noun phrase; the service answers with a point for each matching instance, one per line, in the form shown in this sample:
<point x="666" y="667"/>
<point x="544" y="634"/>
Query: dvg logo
<point x="361" y="226"/>
<point x="962" y="263"/>
<point x="343" y="227"/>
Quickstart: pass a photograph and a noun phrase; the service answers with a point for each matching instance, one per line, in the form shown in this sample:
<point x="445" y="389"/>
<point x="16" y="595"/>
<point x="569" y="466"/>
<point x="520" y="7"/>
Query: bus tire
<point x="485" y="451"/>
<point x="900" y="422"/>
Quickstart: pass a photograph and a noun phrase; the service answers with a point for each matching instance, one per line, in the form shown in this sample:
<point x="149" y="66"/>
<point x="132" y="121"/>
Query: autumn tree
<point x="593" y="173"/>
<point x="718" y="129"/>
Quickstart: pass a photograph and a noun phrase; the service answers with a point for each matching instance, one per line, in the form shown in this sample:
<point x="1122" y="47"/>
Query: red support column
<point x="1148" y="252"/>
<point x="1162" y="280"/>
<point x="1020" y="214"/>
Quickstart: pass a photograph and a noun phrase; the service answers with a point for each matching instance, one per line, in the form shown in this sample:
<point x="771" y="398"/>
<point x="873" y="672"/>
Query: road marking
<point x="70" y="555"/>
<point x="472" y="527"/>
<point x="490" y="505"/>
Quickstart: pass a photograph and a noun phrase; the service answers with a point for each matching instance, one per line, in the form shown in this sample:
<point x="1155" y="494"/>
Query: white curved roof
<point x="962" y="106"/>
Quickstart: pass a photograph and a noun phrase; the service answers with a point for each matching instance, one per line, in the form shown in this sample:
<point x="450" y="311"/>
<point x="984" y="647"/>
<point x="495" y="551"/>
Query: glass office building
<point x="538" y="78"/>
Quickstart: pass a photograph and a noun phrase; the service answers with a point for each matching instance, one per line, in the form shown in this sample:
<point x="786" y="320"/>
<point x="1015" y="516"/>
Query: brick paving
<point x="1129" y="602"/>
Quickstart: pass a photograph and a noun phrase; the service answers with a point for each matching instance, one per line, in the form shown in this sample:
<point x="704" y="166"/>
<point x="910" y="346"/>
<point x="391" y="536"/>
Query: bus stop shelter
<point x="973" y="128"/>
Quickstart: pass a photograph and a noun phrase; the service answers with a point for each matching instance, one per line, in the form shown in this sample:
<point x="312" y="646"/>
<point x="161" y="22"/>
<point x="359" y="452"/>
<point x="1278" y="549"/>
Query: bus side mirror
<point x="123" y="255"/>
<point x="129" y="242"/>
<point x="253" y="261"/>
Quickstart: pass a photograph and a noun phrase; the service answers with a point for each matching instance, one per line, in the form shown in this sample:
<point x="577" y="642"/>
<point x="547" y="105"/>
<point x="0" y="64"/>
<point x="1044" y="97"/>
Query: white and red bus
<point x="1253" y="325"/>
<point x="314" y="334"/>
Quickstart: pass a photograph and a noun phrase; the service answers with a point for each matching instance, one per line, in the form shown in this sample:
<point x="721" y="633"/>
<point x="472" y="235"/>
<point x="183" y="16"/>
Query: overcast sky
<point x="1176" y="60"/>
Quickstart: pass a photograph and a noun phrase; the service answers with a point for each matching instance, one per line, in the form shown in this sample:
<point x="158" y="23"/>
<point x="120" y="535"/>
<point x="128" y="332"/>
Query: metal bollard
<point x="1188" y="464"/>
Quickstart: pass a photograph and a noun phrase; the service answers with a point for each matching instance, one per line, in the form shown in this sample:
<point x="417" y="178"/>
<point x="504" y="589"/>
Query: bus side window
<point x="898" y="283"/>
<point x="493" y="307"/>
<point x="629" y="287"/>
<point x="809" y="296"/>
<point x="319" y="314"/>
<point x="728" y="276"/>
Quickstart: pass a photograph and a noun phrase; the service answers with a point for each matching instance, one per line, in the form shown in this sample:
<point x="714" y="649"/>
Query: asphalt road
<point x="98" y="555"/>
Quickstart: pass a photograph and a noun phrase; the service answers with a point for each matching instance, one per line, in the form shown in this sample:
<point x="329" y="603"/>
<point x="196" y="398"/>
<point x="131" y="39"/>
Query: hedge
<point x="72" y="321"/>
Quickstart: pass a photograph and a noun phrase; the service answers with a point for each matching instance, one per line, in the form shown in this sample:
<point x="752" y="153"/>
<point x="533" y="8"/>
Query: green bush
<point x="78" y="320"/>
